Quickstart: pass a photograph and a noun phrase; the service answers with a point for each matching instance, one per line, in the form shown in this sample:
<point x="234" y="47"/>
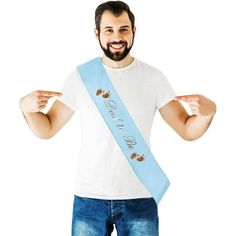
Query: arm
<point x="189" y="127"/>
<point x="44" y="125"/>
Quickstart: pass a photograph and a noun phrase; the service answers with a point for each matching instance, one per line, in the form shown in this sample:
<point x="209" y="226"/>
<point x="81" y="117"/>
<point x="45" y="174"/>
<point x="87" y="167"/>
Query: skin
<point x="115" y="29"/>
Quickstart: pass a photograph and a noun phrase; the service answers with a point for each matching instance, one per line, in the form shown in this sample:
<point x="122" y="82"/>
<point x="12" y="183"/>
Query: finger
<point x="193" y="103"/>
<point x="43" y="103"/>
<point x="49" y="93"/>
<point x="42" y="107"/>
<point x="195" y="110"/>
<point x="194" y="107"/>
<point x="190" y="102"/>
<point x="44" y="98"/>
<point x="187" y="98"/>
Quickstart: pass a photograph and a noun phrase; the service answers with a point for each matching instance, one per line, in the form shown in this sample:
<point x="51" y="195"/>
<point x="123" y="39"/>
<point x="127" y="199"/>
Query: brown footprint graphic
<point x="104" y="94"/>
<point x="139" y="158"/>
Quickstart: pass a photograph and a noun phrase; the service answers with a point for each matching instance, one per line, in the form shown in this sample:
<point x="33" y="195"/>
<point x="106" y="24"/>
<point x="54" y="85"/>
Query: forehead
<point x="108" y="19"/>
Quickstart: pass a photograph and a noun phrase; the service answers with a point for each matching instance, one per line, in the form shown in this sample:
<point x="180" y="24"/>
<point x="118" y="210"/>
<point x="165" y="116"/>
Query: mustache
<point x="115" y="42"/>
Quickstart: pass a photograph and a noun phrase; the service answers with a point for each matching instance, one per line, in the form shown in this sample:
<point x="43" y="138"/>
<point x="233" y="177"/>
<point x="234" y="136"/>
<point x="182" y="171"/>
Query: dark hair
<point x="116" y="7"/>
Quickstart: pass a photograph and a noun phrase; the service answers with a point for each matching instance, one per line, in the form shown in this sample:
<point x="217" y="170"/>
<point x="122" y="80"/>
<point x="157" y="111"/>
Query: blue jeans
<point x="131" y="217"/>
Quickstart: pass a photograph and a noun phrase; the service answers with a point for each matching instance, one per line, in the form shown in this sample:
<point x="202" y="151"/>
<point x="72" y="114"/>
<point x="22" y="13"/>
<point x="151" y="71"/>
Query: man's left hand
<point x="199" y="104"/>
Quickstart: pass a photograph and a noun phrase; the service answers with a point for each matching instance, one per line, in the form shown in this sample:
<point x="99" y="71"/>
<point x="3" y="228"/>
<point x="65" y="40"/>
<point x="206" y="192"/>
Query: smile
<point x="117" y="46"/>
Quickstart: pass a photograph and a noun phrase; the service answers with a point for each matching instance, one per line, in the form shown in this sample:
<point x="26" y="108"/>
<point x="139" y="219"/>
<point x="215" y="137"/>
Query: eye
<point x="124" y="30"/>
<point x="109" y="31"/>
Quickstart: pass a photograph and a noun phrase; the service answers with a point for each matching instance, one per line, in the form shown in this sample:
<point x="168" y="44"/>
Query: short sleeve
<point x="69" y="91"/>
<point x="165" y="92"/>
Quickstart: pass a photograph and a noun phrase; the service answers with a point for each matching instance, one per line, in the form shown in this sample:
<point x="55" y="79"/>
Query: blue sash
<point x="123" y="128"/>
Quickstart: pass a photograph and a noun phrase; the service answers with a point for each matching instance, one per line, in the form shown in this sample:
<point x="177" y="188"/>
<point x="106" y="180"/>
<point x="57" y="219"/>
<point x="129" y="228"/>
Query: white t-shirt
<point x="103" y="171"/>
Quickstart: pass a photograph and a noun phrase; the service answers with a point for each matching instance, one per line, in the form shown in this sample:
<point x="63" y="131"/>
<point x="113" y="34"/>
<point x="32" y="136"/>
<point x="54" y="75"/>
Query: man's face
<point x="116" y="35"/>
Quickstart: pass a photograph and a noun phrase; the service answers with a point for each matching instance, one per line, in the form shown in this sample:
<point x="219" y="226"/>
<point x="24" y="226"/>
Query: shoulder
<point x="72" y="81"/>
<point x="149" y="70"/>
<point x="72" y="76"/>
<point x="147" y="67"/>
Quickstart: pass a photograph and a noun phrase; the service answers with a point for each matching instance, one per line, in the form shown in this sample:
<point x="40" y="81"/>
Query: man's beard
<point x="116" y="56"/>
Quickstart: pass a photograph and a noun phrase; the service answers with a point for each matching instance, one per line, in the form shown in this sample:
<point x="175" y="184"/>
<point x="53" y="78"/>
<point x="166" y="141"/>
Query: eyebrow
<point x="125" y="26"/>
<point x="110" y="27"/>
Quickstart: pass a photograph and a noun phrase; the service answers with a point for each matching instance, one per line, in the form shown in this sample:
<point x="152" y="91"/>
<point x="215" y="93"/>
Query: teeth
<point x="117" y="46"/>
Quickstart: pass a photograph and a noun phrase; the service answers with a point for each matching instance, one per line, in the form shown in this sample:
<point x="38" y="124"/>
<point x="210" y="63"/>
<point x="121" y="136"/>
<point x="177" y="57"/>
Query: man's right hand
<point x="36" y="100"/>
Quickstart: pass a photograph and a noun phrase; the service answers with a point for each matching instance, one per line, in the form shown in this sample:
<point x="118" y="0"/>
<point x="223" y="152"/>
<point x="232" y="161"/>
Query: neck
<point x="117" y="64"/>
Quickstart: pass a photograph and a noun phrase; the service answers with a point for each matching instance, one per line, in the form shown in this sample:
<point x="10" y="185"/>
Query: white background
<point x="192" y="42"/>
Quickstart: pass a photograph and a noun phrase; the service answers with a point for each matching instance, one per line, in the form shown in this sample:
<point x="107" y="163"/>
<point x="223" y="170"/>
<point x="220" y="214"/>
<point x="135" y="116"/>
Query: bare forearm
<point x="196" y="126"/>
<point x="39" y="123"/>
<point x="31" y="106"/>
<point x="203" y="110"/>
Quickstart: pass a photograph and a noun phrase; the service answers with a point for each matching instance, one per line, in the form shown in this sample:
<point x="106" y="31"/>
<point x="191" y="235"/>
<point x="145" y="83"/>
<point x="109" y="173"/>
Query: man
<point x="107" y="190"/>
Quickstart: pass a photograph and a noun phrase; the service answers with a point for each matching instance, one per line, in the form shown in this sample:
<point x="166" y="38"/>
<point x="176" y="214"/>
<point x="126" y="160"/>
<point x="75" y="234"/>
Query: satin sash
<point x="123" y="128"/>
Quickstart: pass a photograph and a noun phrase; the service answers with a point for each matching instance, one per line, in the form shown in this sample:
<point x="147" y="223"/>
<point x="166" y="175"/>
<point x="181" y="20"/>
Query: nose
<point x="117" y="36"/>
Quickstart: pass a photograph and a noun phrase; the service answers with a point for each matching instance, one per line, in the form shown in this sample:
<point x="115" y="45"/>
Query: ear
<point x="96" y="32"/>
<point x="134" y="29"/>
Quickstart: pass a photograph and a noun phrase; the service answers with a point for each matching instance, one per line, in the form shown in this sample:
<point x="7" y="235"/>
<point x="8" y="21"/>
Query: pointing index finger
<point x="50" y="93"/>
<point x="187" y="98"/>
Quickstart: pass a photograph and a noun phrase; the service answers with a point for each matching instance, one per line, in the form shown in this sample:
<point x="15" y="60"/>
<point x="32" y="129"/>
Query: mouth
<point x="117" y="46"/>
